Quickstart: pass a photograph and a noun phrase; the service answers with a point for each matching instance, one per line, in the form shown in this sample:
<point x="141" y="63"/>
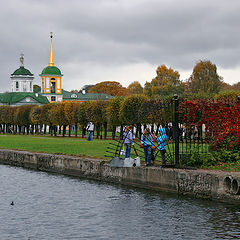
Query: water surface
<point x="50" y="206"/>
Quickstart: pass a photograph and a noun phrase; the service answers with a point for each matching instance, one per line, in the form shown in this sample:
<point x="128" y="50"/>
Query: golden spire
<point x="51" y="52"/>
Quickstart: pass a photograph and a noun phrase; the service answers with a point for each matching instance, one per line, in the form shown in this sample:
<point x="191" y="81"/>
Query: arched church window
<point x="53" y="85"/>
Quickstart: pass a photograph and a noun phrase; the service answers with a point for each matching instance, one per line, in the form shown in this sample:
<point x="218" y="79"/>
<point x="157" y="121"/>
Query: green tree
<point x="204" y="78"/>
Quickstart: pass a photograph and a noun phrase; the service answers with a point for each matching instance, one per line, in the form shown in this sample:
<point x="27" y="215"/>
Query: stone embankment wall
<point x="223" y="186"/>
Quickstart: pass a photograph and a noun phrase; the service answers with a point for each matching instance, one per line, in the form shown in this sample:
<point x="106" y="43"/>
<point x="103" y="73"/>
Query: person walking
<point x="128" y="138"/>
<point x="90" y="129"/>
<point x="161" y="140"/>
<point x="147" y="141"/>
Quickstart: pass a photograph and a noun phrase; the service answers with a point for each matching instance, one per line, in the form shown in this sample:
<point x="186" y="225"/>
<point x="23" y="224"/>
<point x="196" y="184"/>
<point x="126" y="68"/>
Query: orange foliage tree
<point x="135" y="88"/>
<point x="166" y="83"/>
<point x="71" y="114"/>
<point x="204" y="78"/>
<point x="109" y="87"/>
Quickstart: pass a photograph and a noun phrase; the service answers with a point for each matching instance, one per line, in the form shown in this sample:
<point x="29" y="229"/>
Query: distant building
<point x="51" y="87"/>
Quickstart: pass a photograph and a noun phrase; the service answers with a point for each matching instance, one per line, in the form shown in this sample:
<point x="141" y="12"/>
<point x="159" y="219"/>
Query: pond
<point x="47" y="206"/>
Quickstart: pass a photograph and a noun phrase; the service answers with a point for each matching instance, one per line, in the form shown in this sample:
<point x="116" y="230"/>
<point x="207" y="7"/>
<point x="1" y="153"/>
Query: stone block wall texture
<point x="215" y="185"/>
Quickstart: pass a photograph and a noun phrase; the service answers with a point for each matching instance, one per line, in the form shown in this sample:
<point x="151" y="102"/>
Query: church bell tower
<point x="51" y="79"/>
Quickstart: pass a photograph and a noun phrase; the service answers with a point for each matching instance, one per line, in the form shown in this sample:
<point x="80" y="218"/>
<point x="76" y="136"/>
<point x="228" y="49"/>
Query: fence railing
<point x="183" y="140"/>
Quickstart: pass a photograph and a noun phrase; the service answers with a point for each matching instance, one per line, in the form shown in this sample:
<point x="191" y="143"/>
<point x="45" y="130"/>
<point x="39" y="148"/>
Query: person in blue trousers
<point x="90" y="130"/>
<point x="161" y="140"/>
<point x="128" y="139"/>
<point x="147" y="142"/>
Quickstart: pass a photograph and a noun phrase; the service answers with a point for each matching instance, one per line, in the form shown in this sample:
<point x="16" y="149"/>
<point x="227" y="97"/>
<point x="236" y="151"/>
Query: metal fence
<point x="183" y="140"/>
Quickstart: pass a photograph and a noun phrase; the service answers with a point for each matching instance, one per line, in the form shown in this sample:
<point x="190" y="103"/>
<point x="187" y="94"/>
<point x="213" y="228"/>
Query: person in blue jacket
<point x="147" y="141"/>
<point x="161" y="140"/>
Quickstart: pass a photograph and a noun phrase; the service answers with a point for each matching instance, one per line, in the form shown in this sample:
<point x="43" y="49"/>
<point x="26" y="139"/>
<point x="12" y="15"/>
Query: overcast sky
<point x="121" y="40"/>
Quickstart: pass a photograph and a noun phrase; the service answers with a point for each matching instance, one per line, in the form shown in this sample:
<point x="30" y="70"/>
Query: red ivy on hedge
<point x="222" y="121"/>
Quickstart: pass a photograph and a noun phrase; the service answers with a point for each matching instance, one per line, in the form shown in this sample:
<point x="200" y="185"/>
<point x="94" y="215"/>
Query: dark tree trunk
<point x="64" y="130"/>
<point x="76" y="129"/>
<point x="98" y="130"/>
<point x="152" y="128"/>
<point x="69" y="131"/>
<point x="121" y="131"/>
<point x="139" y="126"/>
<point x="83" y="131"/>
<point x="59" y="132"/>
<point x="45" y="129"/>
<point x="3" y="128"/>
<point x="158" y="125"/>
<point x="105" y="130"/>
<point x="114" y="133"/>
<point x="50" y="130"/>
<point x="55" y="130"/>
<point x="19" y="129"/>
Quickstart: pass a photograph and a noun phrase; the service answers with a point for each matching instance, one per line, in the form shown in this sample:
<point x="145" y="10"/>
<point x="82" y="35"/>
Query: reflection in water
<point x="57" y="207"/>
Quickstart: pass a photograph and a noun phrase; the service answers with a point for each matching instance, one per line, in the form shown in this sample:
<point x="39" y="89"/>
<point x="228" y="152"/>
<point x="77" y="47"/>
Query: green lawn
<point x="56" y="145"/>
<point x="79" y="147"/>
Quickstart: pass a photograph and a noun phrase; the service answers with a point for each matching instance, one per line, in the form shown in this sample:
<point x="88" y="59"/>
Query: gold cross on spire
<point x="51" y="52"/>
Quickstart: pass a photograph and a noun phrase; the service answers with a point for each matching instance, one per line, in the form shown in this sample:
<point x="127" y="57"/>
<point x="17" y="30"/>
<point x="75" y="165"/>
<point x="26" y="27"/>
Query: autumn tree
<point x="113" y="111"/>
<point x="130" y="108"/>
<point x="166" y="83"/>
<point x="35" y="117"/>
<point x="135" y="88"/>
<point x="147" y="89"/>
<point x="71" y="114"/>
<point x="22" y="117"/>
<point x="109" y="87"/>
<point x="82" y="118"/>
<point x="236" y="86"/>
<point x="96" y="112"/>
<point x="3" y="117"/>
<point x="58" y="117"/>
<point x="45" y="115"/>
<point x="204" y="78"/>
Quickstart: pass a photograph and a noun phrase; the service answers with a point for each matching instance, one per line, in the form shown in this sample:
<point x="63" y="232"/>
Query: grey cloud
<point x="119" y="32"/>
